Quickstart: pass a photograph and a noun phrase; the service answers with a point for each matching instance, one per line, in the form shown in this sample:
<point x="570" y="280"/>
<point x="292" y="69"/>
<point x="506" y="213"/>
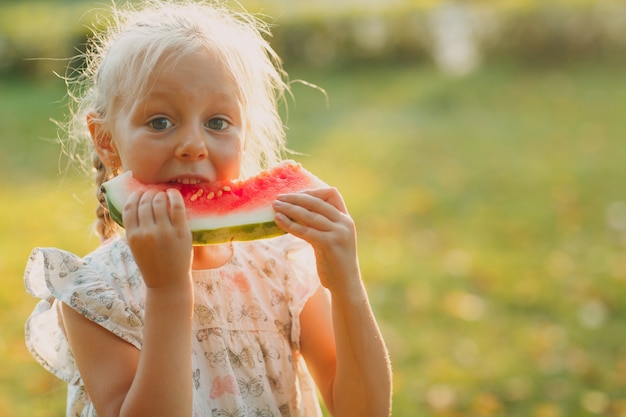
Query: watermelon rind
<point x="241" y="233"/>
<point x="224" y="234"/>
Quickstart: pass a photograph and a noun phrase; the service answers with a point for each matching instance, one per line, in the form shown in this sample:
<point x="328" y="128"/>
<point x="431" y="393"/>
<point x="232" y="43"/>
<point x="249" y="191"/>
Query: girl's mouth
<point x="187" y="181"/>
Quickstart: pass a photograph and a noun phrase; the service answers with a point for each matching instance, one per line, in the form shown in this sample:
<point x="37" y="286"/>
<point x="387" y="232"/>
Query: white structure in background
<point x="455" y="49"/>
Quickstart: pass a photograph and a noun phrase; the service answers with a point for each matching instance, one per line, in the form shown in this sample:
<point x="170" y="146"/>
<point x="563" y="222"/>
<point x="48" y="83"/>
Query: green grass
<point x="491" y="236"/>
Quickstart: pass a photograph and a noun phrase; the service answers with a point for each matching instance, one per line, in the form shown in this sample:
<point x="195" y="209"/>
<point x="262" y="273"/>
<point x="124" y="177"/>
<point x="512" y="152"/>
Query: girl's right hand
<point x="159" y="238"/>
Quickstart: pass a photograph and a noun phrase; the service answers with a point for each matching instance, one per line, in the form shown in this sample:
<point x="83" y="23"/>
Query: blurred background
<point x="480" y="147"/>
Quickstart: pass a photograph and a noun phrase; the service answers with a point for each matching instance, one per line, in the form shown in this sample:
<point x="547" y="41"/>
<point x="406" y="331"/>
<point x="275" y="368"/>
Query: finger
<point x="291" y="226"/>
<point x="317" y="201"/>
<point x="299" y="213"/>
<point x="328" y="194"/>
<point x="145" y="212"/>
<point x="129" y="214"/>
<point x="177" y="211"/>
<point x="160" y="211"/>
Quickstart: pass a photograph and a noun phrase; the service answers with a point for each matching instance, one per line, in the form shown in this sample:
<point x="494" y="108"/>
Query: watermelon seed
<point x="210" y="196"/>
<point x="226" y="188"/>
<point x="197" y="194"/>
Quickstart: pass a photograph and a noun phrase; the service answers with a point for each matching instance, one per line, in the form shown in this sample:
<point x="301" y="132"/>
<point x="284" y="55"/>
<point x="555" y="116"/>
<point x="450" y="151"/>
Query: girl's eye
<point x="217" y="124"/>
<point x="160" y="123"/>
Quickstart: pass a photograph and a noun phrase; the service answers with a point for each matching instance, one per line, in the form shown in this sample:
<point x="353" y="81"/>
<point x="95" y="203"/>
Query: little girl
<point x="149" y="325"/>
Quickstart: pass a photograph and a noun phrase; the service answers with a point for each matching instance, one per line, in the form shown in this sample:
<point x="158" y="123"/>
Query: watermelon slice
<point x="223" y="211"/>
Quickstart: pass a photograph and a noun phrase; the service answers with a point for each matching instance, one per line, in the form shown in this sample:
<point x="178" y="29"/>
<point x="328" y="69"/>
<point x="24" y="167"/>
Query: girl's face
<point x="188" y="128"/>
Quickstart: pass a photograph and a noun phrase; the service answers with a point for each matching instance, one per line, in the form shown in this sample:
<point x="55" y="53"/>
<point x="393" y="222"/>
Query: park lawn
<point x="492" y="229"/>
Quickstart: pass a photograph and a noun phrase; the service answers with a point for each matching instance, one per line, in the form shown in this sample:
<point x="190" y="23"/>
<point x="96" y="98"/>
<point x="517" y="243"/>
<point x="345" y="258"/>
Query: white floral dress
<point x="246" y="330"/>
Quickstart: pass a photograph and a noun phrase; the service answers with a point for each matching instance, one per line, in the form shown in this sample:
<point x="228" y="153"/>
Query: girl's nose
<point x="193" y="147"/>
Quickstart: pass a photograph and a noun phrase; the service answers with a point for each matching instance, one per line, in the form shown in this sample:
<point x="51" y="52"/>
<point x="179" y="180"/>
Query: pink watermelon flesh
<point x="223" y="211"/>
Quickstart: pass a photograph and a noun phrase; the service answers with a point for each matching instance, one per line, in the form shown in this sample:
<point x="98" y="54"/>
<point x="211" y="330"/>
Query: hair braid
<point x="105" y="227"/>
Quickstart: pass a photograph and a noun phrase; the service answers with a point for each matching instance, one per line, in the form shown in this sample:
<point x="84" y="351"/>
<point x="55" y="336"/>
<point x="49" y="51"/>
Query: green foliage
<point x="38" y="37"/>
<point x="492" y="233"/>
<point x="492" y="229"/>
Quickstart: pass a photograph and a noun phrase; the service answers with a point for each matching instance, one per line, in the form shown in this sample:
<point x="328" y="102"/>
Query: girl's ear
<point x="102" y="141"/>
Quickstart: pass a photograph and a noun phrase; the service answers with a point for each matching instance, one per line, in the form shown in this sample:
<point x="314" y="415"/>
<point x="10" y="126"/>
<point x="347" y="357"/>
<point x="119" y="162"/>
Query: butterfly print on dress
<point x="278" y="298"/>
<point x="130" y="281"/>
<point x="239" y="282"/>
<point x="267" y="353"/>
<point x="133" y="320"/>
<point x="126" y="256"/>
<point x="209" y="286"/>
<point x="242" y="359"/>
<point x="48" y="262"/>
<point x="105" y="299"/>
<point x="251" y="387"/>
<point x="67" y="263"/>
<point x="203" y="334"/>
<point x="196" y="378"/>
<point x="254" y="266"/>
<point x="252" y="311"/>
<point x="284" y="329"/>
<point x="67" y="268"/>
<point x="270" y="267"/>
<point x="216" y="359"/>
<point x="222" y="386"/>
<point x="205" y="314"/>
<point x="79" y="305"/>
<point x="268" y="270"/>
<point x="260" y="412"/>
<point x="238" y="412"/>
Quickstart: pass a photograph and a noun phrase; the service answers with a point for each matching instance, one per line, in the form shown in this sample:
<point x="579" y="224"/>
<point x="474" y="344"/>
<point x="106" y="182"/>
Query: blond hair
<point x="118" y="63"/>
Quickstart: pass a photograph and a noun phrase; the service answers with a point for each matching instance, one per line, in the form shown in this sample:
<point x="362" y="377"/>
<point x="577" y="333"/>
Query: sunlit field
<point x="492" y="227"/>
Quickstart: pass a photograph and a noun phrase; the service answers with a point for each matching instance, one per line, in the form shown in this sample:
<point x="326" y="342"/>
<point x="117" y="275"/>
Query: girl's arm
<point x="340" y="339"/>
<point x="124" y="381"/>
<point x="156" y="380"/>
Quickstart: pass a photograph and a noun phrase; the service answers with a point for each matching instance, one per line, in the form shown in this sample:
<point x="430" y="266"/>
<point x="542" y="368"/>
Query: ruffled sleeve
<point x="107" y="294"/>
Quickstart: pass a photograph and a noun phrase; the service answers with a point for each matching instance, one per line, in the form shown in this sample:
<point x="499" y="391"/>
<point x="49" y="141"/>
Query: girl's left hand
<point x="321" y="218"/>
